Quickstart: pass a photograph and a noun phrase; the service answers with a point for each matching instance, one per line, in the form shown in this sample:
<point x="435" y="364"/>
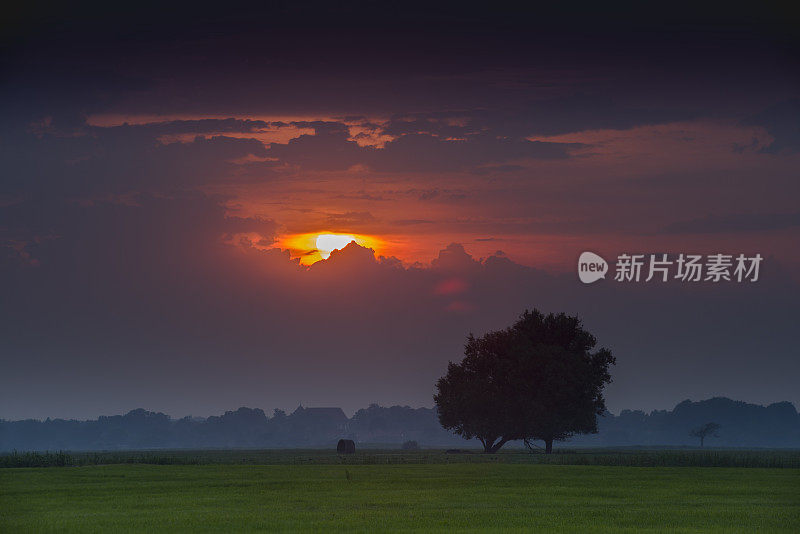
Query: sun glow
<point x="327" y="243"/>
<point x="317" y="246"/>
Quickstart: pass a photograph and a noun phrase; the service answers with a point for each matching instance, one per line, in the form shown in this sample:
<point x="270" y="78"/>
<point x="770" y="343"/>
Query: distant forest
<point x="740" y="425"/>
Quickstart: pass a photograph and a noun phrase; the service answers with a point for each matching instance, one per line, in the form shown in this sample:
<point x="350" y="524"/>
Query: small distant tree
<point x="540" y="379"/>
<point x="705" y="431"/>
<point x="410" y="445"/>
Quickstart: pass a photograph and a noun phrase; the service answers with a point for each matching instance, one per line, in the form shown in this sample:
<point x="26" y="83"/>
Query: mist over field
<point x="742" y="425"/>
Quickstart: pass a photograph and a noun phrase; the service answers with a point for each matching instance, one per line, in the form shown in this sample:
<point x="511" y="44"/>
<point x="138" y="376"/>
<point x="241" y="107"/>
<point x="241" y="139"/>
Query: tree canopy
<point x="536" y="380"/>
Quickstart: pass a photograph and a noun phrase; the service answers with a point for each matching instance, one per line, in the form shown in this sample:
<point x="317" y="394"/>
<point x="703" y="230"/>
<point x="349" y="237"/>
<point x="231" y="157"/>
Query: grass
<point x="462" y="496"/>
<point x="631" y="457"/>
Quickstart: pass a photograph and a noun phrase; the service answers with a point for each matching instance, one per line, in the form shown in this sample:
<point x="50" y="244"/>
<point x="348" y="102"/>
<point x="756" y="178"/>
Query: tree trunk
<point x="489" y="447"/>
<point x="548" y="446"/>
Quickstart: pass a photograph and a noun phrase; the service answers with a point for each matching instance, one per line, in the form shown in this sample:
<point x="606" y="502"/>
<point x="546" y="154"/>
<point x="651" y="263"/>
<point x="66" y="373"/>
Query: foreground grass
<point x="463" y="497"/>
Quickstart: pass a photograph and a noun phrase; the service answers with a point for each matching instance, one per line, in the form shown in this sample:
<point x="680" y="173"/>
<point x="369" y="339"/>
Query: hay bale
<point x="346" y="446"/>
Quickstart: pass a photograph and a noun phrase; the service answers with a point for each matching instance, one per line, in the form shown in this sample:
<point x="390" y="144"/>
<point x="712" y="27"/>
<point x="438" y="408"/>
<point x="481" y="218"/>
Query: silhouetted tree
<point x="538" y="379"/>
<point x="704" y="431"/>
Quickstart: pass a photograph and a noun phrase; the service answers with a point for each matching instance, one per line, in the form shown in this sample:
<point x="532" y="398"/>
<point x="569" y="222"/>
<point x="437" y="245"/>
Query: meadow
<point x="392" y="491"/>
<point x="626" y="456"/>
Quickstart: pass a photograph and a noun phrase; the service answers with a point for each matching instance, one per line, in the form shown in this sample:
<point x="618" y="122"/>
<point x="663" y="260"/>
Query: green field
<point x="627" y="457"/>
<point x="464" y="496"/>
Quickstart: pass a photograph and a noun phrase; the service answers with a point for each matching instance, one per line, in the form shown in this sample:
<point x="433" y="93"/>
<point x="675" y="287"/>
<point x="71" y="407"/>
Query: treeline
<point x="242" y="428"/>
<point x="741" y="425"/>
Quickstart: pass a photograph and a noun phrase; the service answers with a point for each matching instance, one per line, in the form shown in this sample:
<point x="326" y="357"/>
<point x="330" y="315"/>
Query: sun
<point x="327" y="243"/>
<point x="312" y="247"/>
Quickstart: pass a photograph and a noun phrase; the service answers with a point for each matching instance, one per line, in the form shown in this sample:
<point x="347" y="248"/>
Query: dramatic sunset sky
<point x="166" y="172"/>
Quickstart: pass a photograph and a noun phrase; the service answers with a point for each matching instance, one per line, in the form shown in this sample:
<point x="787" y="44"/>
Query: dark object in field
<point x="410" y="445"/>
<point x="456" y="451"/>
<point x="346" y="446"/>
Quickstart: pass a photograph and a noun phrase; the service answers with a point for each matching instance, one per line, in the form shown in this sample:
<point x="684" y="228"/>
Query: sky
<point x="166" y="171"/>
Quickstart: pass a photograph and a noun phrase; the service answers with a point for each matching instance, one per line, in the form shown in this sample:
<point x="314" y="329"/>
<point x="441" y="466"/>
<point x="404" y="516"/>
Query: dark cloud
<point x="117" y="160"/>
<point x="579" y="112"/>
<point x="398" y="127"/>
<point x="331" y="149"/>
<point x="328" y="149"/>
<point x="422" y="152"/>
<point x="735" y="223"/>
<point x="142" y="226"/>
<point x="599" y="109"/>
<point x="782" y="122"/>
<point x="158" y="128"/>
